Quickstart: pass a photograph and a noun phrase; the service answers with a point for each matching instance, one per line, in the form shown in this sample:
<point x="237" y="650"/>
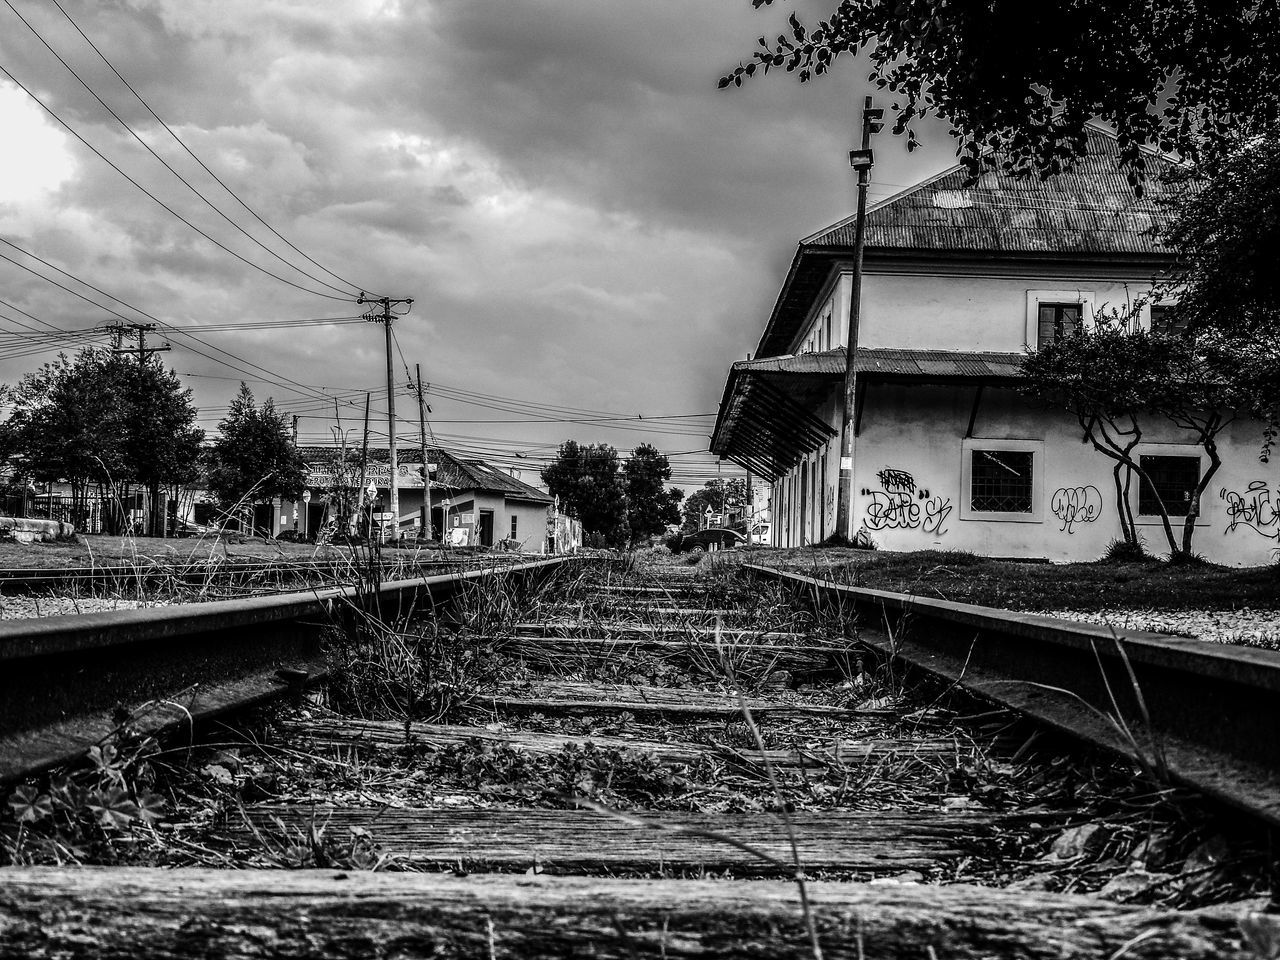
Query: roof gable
<point x="1085" y="215"/>
<point x="451" y="473"/>
<point x="1087" y="209"/>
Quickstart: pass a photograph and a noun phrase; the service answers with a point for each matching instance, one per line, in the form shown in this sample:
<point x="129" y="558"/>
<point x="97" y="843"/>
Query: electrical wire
<point x="168" y="209"/>
<point x="193" y="156"/>
<point x="146" y="146"/>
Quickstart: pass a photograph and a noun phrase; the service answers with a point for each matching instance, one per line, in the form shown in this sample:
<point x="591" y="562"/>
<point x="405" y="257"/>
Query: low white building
<point x="959" y="281"/>
<point x="472" y="502"/>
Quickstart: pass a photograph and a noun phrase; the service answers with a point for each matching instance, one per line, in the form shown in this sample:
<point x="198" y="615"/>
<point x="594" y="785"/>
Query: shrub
<point x="1121" y="551"/>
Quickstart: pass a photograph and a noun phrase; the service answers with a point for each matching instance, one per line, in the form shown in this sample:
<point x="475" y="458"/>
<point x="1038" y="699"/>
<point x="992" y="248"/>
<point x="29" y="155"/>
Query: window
<point x="1174" y="479"/>
<point x="1000" y="481"/>
<point x="513" y="528"/>
<point x="1056" y="320"/>
<point x="1165" y="319"/>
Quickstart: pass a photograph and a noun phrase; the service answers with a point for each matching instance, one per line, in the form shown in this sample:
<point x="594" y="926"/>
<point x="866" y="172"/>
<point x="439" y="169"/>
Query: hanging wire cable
<point x="146" y="146"/>
<point x="193" y="156"/>
<point x="164" y="206"/>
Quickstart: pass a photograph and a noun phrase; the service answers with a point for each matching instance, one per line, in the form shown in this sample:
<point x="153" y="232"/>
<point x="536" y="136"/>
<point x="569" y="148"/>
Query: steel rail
<point x="199" y="572"/>
<point x="67" y="682"/>
<point x="1204" y="715"/>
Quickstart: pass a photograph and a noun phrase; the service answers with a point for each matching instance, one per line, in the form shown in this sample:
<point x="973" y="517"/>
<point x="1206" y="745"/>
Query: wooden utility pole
<point x="155" y="512"/>
<point x="385" y="318"/>
<point x="426" y="467"/>
<point x="862" y="161"/>
<point x="121" y="330"/>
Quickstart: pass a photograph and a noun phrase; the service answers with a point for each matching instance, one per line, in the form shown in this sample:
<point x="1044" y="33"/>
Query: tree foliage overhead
<point x="254" y="458"/>
<point x="1225" y="233"/>
<point x="591" y="487"/>
<point x="1025" y="77"/>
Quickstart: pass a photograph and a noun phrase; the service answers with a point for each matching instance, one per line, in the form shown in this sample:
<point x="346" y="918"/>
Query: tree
<point x="1225" y="233"/>
<point x="254" y="459"/>
<point x="1115" y="379"/>
<point x="1024" y="78"/>
<point x="162" y="444"/>
<point x="717" y="495"/>
<point x="590" y="486"/>
<point x="106" y="422"/>
<point x="650" y="507"/>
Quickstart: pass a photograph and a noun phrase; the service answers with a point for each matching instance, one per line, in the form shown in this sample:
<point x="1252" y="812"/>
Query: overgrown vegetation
<point x="1046" y="815"/>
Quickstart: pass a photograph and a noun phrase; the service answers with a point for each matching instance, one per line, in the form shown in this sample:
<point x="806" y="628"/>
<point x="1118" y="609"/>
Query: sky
<point x="590" y="230"/>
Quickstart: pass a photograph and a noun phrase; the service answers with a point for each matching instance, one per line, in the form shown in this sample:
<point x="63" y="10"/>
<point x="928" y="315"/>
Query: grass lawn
<point x="1037" y="586"/>
<point x="108" y="551"/>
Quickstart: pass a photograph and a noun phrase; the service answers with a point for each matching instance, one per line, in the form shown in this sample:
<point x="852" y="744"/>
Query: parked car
<point x="761" y="532"/>
<point x="713" y="538"/>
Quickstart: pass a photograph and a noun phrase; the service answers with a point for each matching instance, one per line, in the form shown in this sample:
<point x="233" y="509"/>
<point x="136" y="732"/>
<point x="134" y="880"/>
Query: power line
<point x="168" y="209"/>
<point x="146" y="146"/>
<point x="193" y="156"/>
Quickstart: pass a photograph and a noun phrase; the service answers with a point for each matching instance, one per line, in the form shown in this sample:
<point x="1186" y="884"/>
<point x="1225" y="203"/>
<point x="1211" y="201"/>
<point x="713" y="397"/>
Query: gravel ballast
<point x="1245" y="627"/>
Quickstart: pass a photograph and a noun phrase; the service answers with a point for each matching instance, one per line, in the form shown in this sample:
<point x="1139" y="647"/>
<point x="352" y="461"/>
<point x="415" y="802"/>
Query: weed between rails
<point x="429" y="664"/>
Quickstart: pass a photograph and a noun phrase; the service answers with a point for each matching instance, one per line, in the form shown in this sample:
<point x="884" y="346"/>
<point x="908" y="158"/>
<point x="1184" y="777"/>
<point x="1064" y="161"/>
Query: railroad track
<point x="1205" y="713"/>
<point x="243" y="575"/>
<point x="63" y="680"/>
<point x="654" y="764"/>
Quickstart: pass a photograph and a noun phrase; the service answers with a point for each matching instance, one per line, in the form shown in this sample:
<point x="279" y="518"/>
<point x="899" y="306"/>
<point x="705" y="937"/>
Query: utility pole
<point x="385" y="318"/>
<point x="426" y="467"/>
<point x="121" y="330"/>
<point x="862" y="161"/>
<point x="155" y="517"/>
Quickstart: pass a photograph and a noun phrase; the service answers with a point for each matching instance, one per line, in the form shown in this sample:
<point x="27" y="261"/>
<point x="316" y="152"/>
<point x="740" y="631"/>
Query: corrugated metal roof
<point x="823" y="362"/>
<point x="765" y="421"/>
<point x="1088" y="209"/>
<point x="451" y="472"/>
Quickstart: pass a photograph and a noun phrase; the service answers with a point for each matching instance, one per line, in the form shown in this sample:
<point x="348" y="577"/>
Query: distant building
<point x="472" y="503"/>
<point x="959" y="281"/>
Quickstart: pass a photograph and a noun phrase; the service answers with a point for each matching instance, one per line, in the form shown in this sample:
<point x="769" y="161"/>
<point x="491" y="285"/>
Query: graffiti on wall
<point x="1072" y="505"/>
<point x="900" y="505"/>
<point x="1253" y="507"/>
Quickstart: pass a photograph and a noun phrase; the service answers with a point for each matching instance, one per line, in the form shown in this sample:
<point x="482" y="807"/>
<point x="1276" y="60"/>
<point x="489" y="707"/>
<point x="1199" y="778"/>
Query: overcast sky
<point x="584" y="221"/>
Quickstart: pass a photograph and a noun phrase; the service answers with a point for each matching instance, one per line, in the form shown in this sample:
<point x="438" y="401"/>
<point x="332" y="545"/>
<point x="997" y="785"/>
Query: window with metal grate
<point x="1000" y="481"/>
<point x="1174" y="480"/>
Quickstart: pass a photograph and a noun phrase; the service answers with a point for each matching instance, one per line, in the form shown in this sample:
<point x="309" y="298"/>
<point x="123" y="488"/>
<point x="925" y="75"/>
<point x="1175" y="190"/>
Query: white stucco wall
<point x="912" y="441"/>
<point x="531" y="525"/>
<point x="975" y="312"/>
<point x="969" y="310"/>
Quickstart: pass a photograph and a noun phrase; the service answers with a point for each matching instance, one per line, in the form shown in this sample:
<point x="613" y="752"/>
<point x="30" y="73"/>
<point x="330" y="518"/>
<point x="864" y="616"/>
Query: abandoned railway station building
<point x="959" y="281"/>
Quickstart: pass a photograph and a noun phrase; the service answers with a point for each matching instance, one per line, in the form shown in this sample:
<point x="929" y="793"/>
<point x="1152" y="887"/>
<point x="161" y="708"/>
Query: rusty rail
<point x="65" y="681"/>
<point x="1203" y="714"/>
